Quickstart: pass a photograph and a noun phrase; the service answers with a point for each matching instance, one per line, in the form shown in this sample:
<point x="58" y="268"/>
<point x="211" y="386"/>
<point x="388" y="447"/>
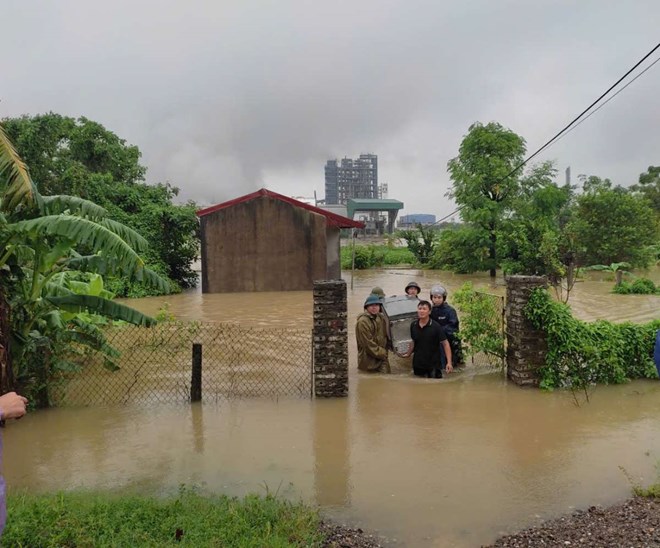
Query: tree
<point x="463" y="250"/>
<point x="80" y="157"/>
<point x="613" y="225"/>
<point x="483" y="182"/>
<point x="43" y="272"/>
<point x="649" y="186"/>
<point x="420" y="242"/>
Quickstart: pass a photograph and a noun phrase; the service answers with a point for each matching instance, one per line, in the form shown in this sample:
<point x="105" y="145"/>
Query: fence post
<point x="196" y="379"/>
<point x="526" y="346"/>
<point x="330" y="339"/>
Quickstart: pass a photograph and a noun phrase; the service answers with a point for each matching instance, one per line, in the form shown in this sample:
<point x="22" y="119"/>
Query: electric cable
<point x="574" y="122"/>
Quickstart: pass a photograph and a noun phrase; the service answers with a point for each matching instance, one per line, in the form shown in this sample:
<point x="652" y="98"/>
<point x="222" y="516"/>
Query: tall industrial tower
<point x="351" y="179"/>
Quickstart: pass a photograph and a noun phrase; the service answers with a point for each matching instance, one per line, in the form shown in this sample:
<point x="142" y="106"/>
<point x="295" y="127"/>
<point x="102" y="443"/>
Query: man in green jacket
<point x="371" y="336"/>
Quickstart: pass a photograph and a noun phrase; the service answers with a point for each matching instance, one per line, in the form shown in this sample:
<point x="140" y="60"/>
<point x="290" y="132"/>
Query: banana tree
<point x="46" y="240"/>
<point x="618" y="269"/>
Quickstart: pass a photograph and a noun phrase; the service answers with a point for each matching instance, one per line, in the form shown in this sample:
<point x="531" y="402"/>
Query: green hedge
<point x="584" y="353"/>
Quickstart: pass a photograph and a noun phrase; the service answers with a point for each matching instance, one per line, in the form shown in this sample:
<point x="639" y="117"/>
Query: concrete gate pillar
<point x="526" y="346"/>
<point x="330" y="339"/>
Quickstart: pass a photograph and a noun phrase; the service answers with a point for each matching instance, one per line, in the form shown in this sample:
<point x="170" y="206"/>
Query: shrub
<point x="481" y="322"/>
<point x="584" y="353"/>
<point x="641" y="286"/>
<point x="370" y="256"/>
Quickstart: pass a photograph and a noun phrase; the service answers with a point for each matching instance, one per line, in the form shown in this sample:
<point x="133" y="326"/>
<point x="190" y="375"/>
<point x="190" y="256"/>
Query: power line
<point x="610" y="98"/>
<point x="565" y="130"/>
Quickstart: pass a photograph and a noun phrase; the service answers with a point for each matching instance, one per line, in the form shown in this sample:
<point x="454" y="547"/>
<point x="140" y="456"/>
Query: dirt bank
<point x="634" y="523"/>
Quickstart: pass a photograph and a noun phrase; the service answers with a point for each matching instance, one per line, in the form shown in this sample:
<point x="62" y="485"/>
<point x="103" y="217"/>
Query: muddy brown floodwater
<point x="454" y="462"/>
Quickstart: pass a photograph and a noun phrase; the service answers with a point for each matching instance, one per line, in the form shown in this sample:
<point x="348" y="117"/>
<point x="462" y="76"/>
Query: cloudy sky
<point x="225" y="97"/>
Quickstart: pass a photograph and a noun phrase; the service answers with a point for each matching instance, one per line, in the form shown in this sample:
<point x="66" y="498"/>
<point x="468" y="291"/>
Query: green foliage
<point x="532" y="239"/>
<point x="483" y="185"/>
<point x="105" y="520"/>
<point x="370" y="256"/>
<point x="80" y="157"/>
<point x="52" y="290"/>
<point x="641" y="286"/>
<point x="420" y="242"/>
<point x="481" y="322"/>
<point x="581" y="353"/>
<point x="652" y="491"/>
<point x="649" y="187"/>
<point x="463" y="250"/>
<point x="613" y="226"/>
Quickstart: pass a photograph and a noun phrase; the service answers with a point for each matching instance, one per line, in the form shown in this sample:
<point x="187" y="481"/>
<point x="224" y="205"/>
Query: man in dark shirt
<point x="428" y="337"/>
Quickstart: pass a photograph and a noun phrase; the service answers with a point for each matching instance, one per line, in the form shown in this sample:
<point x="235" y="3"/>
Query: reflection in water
<point x="448" y="462"/>
<point x="197" y="423"/>
<point x="331" y="453"/>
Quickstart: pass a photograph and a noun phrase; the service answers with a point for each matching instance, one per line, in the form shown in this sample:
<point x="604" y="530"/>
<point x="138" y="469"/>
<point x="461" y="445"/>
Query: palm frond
<point x="153" y="279"/>
<point x="103" y="307"/>
<point x="54" y="205"/>
<point x="19" y="188"/>
<point x="83" y="232"/>
<point x="133" y="238"/>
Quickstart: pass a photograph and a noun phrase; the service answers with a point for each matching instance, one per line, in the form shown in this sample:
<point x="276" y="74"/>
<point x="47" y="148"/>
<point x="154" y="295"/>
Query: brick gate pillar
<point x="330" y="339"/>
<point x="526" y="346"/>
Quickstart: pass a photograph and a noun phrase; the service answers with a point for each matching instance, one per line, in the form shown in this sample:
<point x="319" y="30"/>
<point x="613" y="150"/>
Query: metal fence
<point x="491" y="333"/>
<point x="156" y="365"/>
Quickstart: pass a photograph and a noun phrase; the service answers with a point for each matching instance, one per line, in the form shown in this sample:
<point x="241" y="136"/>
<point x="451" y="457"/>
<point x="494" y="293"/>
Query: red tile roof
<point x="332" y="218"/>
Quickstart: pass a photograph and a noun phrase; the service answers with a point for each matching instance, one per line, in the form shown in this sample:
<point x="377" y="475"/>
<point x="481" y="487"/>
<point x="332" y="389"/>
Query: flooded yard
<point x="454" y="462"/>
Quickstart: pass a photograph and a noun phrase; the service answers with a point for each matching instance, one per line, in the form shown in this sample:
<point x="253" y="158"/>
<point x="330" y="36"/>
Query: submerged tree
<point x="484" y="180"/>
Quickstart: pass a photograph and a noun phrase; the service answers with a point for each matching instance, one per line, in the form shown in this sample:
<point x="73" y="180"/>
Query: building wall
<point x="262" y="245"/>
<point x="333" y="253"/>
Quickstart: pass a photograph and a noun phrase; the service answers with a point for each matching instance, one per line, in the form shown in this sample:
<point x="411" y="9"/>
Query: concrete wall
<point x="263" y="244"/>
<point x="526" y="346"/>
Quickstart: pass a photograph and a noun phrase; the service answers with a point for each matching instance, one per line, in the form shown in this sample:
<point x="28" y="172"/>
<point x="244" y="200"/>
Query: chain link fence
<point x="483" y="331"/>
<point x="156" y="365"/>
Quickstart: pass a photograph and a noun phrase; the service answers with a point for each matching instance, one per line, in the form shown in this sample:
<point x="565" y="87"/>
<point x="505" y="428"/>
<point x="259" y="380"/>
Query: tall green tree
<point x="82" y="158"/>
<point x="614" y="225"/>
<point x="532" y="240"/>
<point x="483" y="185"/>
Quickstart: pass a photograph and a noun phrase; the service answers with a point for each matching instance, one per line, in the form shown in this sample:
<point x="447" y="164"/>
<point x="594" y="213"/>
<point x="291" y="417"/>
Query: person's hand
<point x="449" y="368"/>
<point x="12" y="405"/>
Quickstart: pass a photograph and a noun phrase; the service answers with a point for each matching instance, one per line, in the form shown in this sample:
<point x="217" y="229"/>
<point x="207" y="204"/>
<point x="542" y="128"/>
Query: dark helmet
<point x="378" y="292"/>
<point x="412" y="284"/>
<point x="372" y="299"/>
<point x="438" y="290"/>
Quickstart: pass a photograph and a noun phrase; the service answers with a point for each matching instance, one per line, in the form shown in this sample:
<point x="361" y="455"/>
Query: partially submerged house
<point x="265" y="241"/>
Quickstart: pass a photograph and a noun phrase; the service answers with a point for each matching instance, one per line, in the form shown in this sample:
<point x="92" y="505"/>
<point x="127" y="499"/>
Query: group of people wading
<point x="435" y="347"/>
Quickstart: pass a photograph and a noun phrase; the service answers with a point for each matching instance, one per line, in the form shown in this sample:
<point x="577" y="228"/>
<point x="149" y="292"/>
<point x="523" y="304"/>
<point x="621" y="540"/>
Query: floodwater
<point x="454" y="462"/>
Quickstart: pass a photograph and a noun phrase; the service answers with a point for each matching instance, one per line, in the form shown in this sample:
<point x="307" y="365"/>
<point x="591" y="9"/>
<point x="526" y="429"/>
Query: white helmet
<point x="438" y="290"/>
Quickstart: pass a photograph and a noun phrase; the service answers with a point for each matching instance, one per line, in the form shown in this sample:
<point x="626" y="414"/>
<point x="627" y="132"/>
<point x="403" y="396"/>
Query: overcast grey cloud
<point x="226" y="97"/>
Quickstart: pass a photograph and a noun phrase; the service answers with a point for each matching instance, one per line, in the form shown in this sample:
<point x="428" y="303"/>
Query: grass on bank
<point x="89" y="519"/>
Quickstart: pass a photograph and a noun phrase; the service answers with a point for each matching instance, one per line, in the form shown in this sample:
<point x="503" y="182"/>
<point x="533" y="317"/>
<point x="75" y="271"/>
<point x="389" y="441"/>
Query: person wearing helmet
<point x="378" y="292"/>
<point x="371" y="337"/>
<point x="445" y="314"/>
<point x="412" y="289"/>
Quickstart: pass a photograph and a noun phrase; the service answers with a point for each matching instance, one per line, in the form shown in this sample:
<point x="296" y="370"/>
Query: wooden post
<point x="196" y="379"/>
